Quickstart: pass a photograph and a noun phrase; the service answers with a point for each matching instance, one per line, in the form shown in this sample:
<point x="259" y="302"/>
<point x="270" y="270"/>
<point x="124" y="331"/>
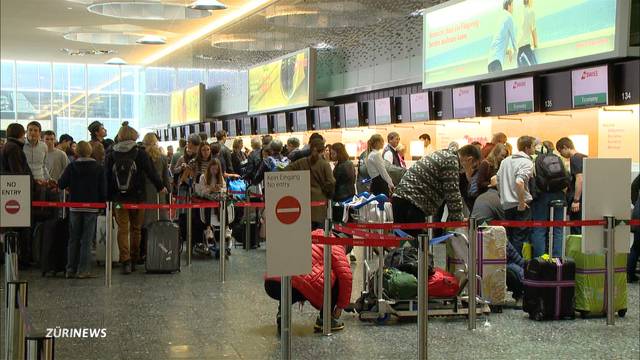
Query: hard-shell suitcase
<point x="591" y="280"/>
<point x="163" y="247"/>
<point x="549" y="288"/>
<point x="492" y="265"/>
<point x="101" y="240"/>
<point x="55" y="239"/>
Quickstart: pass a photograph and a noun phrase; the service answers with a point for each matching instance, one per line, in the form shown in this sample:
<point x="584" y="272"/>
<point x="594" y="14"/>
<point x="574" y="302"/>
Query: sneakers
<point x="86" y="275"/>
<point x="126" y="268"/>
<point x="336" y="325"/>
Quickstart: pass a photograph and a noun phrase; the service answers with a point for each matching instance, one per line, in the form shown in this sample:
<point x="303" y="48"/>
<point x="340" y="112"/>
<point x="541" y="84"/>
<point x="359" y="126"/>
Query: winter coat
<point x="311" y="285"/>
<point x="144" y="169"/>
<point x="85" y="180"/>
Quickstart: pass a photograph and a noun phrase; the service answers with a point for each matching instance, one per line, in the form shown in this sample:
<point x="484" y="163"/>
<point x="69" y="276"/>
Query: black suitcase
<point x="53" y="249"/>
<point x="549" y="289"/>
<point x="163" y="247"/>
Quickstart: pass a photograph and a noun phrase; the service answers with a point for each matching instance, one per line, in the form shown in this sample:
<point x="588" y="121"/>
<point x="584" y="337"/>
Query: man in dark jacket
<point x="225" y="152"/>
<point x="253" y="160"/>
<point x="126" y="167"/>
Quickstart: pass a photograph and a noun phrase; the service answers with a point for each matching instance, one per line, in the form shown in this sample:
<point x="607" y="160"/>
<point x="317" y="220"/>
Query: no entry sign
<point x="15" y="201"/>
<point x="288" y="210"/>
<point x="288" y="216"/>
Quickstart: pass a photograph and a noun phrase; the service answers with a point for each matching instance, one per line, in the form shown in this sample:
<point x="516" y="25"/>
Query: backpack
<point x="362" y="165"/>
<point x="406" y="259"/>
<point x="124" y="170"/>
<point x="551" y="174"/>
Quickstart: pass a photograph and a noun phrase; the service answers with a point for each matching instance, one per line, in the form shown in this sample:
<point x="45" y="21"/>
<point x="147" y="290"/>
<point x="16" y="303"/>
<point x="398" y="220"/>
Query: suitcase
<point x="591" y="280"/>
<point x="53" y="249"/>
<point x="549" y="288"/>
<point x="492" y="265"/>
<point x="163" y="247"/>
<point x="554" y="206"/>
<point x="101" y="240"/>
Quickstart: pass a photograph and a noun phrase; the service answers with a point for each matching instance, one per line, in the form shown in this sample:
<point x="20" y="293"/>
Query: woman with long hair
<point x="489" y="167"/>
<point x="211" y="182"/>
<point x="381" y="182"/>
<point x="160" y="163"/>
<point x="238" y="157"/>
<point x="344" y="172"/>
<point x="203" y="158"/>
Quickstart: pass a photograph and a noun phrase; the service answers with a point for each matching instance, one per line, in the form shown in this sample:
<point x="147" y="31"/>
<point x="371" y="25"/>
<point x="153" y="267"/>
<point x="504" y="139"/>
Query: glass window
<point x="7" y="81"/>
<point x="7" y="92"/>
<point x="33" y="97"/>
<point x="190" y="77"/>
<point x="104" y="79"/>
<point x="159" y="80"/>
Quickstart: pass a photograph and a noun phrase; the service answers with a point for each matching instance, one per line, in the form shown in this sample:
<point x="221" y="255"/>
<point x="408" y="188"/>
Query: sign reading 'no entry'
<point x="288" y="215"/>
<point x="15" y="201"/>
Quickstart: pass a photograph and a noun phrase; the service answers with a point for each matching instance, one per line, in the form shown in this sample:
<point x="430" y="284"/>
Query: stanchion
<point x="108" y="245"/>
<point x="223" y="238"/>
<point x="326" y="303"/>
<point x="14" y="332"/>
<point x="380" y="279"/>
<point x="472" y="263"/>
<point x="10" y="256"/>
<point x="611" y="254"/>
<point x="39" y="347"/>
<point x="247" y="223"/>
<point x="423" y="294"/>
<point x="285" y="310"/>
<point x="189" y="229"/>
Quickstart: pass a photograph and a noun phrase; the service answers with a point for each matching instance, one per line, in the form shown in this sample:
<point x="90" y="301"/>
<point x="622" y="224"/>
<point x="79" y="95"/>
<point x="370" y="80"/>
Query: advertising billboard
<point x="187" y="105"/>
<point x="479" y="39"/>
<point x="282" y="84"/>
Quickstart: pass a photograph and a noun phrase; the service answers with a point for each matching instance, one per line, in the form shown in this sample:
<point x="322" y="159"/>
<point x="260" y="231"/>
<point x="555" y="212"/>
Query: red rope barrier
<point x="325" y="240"/>
<point x="548" y="223"/>
<point x="408" y="226"/>
<point x="367" y="235"/>
<point x="82" y="205"/>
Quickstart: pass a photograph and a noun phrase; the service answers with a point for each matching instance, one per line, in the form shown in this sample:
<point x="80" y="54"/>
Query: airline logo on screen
<point x="587" y="74"/>
<point x="519" y="84"/>
<point x="463" y="91"/>
<point x="590" y="86"/>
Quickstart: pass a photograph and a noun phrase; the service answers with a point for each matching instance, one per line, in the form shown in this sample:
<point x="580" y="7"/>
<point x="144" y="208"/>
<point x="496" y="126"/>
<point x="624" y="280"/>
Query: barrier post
<point x="552" y="211"/>
<point x="10" y="257"/>
<point x="285" y="310"/>
<point x="326" y="300"/>
<point x="247" y="222"/>
<point x="108" y="244"/>
<point x="14" y="333"/>
<point x="189" y="230"/>
<point x="380" y="279"/>
<point x="223" y="237"/>
<point x="423" y="294"/>
<point x="473" y="282"/>
<point x="39" y="347"/>
<point x="611" y="254"/>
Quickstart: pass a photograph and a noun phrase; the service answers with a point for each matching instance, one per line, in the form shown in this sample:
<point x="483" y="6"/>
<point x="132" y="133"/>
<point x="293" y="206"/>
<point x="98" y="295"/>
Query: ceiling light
<point x="323" y="46"/>
<point x="207" y="5"/>
<point x="417" y="13"/>
<point x="239" y="13"/>
<point x="83" y="52"/>
<point x="145" y="10"/>
<point x="152" y="40"/>
<point x="115" y="61"/>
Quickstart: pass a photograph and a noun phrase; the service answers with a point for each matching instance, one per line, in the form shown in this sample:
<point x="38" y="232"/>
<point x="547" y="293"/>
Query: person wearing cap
<point x="98" y="135"/>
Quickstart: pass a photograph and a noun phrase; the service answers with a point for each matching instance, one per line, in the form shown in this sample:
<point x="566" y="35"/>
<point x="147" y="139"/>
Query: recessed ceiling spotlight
<point x="69" y="8"/>
<point x="87" y="52"/>
<point x="116" y="61"/>
<point x="417" y="13"/>
<point x="207" y="5"/>
<point x="323" y="46"/>
<point x="152" y="40"/>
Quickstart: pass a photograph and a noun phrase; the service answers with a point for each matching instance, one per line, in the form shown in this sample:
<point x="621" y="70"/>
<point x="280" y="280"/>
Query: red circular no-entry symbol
<point x="12" y="207"/>
<point x="288" y="210"/>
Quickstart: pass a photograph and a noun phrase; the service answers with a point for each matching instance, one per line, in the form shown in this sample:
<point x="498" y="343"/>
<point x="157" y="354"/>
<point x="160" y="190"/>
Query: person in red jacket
<point x="310" y="287"/>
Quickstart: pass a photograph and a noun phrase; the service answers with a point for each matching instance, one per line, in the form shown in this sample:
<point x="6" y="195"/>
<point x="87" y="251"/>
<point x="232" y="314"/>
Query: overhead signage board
<point x="15" y="201"/>
<point x="352" y="115"/>
<point x="281" y="123"/>
<point x="283" y="83"/>
<point x="590" y="86"/>
<point x="464" y="102"/>
<point x="555" y="91"/>
<point x="519" y="95"/>
<point x="383" y="111"/>
<point x="288" y="221"/>
<point x="492" y="99"/>
<point x="324" y="113"/>
<point x="470" y="40"/>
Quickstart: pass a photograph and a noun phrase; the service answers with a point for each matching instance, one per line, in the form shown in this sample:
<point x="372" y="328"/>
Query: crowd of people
<point x="489" y="181"/>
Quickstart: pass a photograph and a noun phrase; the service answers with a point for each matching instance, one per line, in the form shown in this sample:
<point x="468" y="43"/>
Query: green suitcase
<point x="591" y="280"/>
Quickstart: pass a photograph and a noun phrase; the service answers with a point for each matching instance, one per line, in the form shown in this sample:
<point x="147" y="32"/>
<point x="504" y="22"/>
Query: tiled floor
<point x="190" y="315"/>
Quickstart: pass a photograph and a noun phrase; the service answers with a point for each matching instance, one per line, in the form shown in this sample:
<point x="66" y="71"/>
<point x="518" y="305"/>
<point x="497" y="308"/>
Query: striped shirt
<point x="432" y="181"/>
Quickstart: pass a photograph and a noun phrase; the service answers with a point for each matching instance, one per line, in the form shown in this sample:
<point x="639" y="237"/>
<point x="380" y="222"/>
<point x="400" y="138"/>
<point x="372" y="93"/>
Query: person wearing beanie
<point x="98" y="135"/>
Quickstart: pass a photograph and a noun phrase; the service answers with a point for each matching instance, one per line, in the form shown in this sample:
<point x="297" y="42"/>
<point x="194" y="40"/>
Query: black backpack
<point x="124" y="170"/>
<point x="551" y="174"/>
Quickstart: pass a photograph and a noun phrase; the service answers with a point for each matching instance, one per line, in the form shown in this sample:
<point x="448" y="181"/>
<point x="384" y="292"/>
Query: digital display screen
<point x="325" y="117"/>
<point x="352" y="115"/>
<point x="246" y="126"/>
<point x="383" y="111"/>
<point x="519" y="95"/>
<point x="590" y="87"/>
<point x="207" y="128"/>
<point x="232" y="127"/>
<point x="476" y="39"/>
<point x="281" y="84"/>
<point x="263" y="124"/>
<point x="281" y="123"/>
<point x="187" y="105"/>
<point x="419" y="106"/>
<point x="301" y="120"/>
<point x="464" y="102"/>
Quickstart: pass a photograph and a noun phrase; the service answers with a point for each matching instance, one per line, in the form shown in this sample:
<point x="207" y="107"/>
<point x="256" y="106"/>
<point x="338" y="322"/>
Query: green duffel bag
<point x="399" y="285"/>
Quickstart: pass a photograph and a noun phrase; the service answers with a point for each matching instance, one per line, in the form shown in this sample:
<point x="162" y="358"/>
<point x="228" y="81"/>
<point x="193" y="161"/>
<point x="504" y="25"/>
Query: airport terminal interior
<point x="171" y="169"/>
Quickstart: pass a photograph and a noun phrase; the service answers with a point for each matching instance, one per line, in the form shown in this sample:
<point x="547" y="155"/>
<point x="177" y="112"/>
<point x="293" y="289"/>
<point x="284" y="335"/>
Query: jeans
<point x="540" y="235"/>
<point x="518" y="236"/>
<point x="273" y="287"/>
<point x="632" y="258"/>
<point x="83" y="231"/>
<point x="129" y="231"/>
<point x="404" y="211"/>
